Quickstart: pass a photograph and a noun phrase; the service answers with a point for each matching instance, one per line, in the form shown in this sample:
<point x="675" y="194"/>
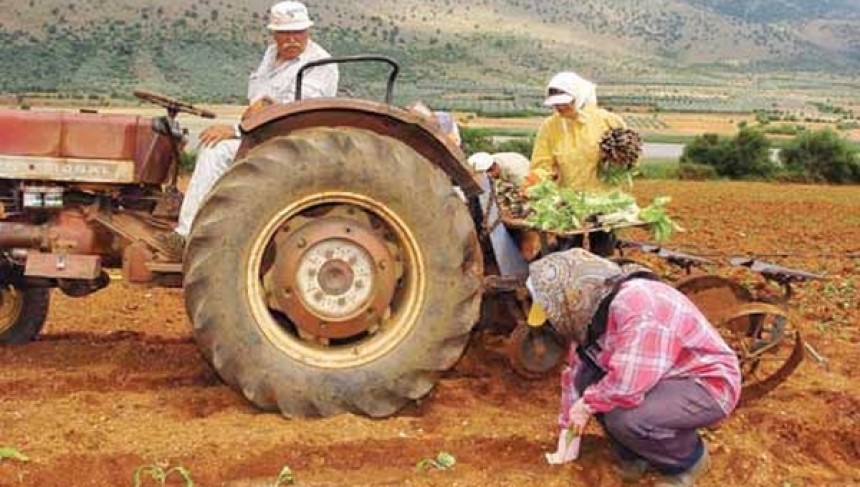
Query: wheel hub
<point x="334" y="278"/>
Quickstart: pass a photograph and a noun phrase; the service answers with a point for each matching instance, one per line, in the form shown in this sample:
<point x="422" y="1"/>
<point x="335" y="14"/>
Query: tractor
<point x="339" y="266"/>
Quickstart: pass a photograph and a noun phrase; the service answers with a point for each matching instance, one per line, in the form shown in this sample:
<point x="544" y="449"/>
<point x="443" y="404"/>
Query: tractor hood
<point x="81" y="147"/>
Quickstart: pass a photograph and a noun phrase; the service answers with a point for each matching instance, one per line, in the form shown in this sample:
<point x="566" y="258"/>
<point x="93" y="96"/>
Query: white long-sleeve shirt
<point x="279" y="82"/>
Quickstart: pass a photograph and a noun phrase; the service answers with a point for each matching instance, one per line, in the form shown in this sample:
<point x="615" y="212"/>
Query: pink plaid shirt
<point x="654" y="333"/>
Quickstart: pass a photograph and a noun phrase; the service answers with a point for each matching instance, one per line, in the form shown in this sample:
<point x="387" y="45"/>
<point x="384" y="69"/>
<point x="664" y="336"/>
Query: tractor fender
<point x="408" y="127"/>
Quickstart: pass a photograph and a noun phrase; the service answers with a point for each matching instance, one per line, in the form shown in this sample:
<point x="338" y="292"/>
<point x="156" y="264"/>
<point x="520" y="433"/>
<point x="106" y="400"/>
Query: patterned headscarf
<point x="570" y="286"/>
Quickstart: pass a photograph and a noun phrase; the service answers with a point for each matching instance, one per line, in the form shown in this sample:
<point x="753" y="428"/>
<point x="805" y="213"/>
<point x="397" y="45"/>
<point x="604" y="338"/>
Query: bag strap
<point x="597" y="327"/>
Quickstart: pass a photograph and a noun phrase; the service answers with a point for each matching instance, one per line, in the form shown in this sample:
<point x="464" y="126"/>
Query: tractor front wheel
<point x="22" y="313"/>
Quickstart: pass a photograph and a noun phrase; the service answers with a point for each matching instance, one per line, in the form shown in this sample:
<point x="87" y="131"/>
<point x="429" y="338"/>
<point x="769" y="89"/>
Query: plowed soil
<point x="115" y="382"/>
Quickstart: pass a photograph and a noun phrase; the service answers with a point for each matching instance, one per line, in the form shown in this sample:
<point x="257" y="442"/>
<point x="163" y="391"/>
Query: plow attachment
<point x="769" y="348"/>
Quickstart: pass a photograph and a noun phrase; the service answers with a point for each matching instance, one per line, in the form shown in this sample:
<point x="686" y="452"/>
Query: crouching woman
<point x="644" y="361"/>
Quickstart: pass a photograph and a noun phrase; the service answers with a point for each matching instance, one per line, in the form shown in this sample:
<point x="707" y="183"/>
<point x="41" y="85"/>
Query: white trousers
<point x="212" y="162"/>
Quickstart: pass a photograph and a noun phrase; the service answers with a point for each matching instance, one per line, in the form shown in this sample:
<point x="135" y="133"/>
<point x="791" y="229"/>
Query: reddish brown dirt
<point x="116" y="382"/>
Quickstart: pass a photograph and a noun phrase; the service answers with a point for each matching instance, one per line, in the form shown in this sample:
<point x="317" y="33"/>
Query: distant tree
<point x="822" y="156"/>
<point x="750" y="156"/>
<point x="747" y="155"/>
<point x="705" y="149"/>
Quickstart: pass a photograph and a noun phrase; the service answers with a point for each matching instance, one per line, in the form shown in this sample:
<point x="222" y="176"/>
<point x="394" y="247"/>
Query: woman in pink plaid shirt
<point x="644" y="361"/>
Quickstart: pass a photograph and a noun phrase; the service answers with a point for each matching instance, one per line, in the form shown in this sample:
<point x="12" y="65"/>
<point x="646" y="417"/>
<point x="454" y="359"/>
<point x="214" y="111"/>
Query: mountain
<point x="204" y="49"/>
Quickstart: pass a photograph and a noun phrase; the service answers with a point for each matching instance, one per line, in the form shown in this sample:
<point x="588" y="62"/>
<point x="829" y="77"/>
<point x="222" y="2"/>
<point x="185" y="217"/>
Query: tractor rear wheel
<point x="333" y="271"/>
<point x="22" y="313"/>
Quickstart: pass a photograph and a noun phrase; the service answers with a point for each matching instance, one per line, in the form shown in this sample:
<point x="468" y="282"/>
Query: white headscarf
<point x="576" y="90"/>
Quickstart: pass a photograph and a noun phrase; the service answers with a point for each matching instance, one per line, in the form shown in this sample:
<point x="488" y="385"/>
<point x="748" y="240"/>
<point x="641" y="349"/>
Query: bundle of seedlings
<point x="512" y="202"/>
<point x="619" y="155"/>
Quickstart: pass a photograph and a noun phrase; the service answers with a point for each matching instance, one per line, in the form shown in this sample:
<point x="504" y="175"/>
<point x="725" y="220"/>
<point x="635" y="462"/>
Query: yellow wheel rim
<point x="404" y="307"/>
<point x="11" y="304"/>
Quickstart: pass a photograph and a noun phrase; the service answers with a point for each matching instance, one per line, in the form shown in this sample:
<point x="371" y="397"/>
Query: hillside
<point x="204" y="49"/>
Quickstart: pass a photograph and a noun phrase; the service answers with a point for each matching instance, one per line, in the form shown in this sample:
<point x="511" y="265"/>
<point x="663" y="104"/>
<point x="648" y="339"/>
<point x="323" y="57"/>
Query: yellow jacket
<point x="570" y="147"/>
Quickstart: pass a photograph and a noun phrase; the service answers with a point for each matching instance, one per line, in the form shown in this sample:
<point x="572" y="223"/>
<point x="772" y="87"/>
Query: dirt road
<point x="115" y="383"/>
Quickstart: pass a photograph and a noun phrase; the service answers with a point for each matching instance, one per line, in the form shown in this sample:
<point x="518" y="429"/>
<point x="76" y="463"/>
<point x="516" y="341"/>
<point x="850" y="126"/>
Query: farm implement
<point x="754" y="321"/>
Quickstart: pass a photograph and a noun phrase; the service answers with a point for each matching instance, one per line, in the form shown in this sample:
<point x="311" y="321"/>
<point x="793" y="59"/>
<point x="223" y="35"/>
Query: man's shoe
<point x="631" y="470"/>
<point x="688" y="478"/>
<point x="171" y="245"/>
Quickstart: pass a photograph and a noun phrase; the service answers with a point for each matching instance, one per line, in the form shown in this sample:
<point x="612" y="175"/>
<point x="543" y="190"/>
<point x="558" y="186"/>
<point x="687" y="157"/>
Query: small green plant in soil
<point x="11" y="453"/>
<point x="160" y="472"/>
<point x="442" y="461"/>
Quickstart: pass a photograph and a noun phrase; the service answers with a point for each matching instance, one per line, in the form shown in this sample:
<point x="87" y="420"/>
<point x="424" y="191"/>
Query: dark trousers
<point x="662" y="429"/>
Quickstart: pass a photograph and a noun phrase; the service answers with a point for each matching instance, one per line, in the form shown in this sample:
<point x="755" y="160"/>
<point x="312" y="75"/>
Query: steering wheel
<point x="172" y="104"/>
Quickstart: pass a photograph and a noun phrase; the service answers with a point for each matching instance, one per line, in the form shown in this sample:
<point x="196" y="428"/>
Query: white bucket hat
<point x="481" y="161"/>
<point x="574" y="88"/>
<point x="289" y="16"/>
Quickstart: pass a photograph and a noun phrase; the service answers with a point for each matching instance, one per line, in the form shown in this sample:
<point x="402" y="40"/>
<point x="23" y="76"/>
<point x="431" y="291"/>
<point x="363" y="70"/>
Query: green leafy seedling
<point x="286" y="477"/>
<point x="160" y="473"/>
<point x="443" y="461"/>
<point x="7" y="452"/>
<point x="570" y="436"/>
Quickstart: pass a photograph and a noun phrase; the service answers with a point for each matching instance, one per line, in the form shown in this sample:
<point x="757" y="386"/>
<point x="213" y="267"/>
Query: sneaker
<point x="171" y="245"/>
<point x="631" y="470"/>
<point x="688" y="478"/>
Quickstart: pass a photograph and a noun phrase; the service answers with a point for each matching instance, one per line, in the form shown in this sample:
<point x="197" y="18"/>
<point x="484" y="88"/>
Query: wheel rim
<point x="11" y="304"/>
<point x="335" y="280"/>
<point x="534" y="352"/>
<point x="768" y="347"/>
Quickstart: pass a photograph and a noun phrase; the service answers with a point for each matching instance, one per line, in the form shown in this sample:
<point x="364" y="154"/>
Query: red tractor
<point x="334" y="268"/>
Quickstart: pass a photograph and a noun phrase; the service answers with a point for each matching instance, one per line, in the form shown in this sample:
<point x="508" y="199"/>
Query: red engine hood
<point x="82" y="147"/>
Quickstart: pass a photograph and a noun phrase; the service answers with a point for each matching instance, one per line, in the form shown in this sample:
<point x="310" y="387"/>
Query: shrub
<point x="659" y="169"/>
<point x="749" y="156"/>
<point x="848" y="125"/>
<point x="745" y="156"/>
<point x="476" y="140"/>
<point x="523" y="145"/>
<point x="691" y="171"/>
<point x="822" y="156"/>
<point x="707" y="149"/>
<point x="784" y="129"/>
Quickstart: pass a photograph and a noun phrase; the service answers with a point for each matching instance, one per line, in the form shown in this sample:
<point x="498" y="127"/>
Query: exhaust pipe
<point x="23" y="235"/>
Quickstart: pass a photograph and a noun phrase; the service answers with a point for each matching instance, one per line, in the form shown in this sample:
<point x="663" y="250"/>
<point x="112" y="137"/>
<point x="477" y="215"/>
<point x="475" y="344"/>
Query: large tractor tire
<point x="332" y="271"/>
<point x="22" y="313"/>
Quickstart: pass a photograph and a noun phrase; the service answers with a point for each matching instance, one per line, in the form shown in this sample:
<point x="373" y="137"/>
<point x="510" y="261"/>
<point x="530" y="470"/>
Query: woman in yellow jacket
<point x="567" y="146"/>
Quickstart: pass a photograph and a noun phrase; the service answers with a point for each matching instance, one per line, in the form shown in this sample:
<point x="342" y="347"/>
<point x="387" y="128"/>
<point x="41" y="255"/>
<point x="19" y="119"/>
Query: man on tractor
<point x="274" y="81"/>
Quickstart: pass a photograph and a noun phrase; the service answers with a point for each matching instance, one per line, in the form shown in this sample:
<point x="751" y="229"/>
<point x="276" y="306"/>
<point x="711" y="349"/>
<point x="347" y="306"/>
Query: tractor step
<point x="62" y="266"/>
